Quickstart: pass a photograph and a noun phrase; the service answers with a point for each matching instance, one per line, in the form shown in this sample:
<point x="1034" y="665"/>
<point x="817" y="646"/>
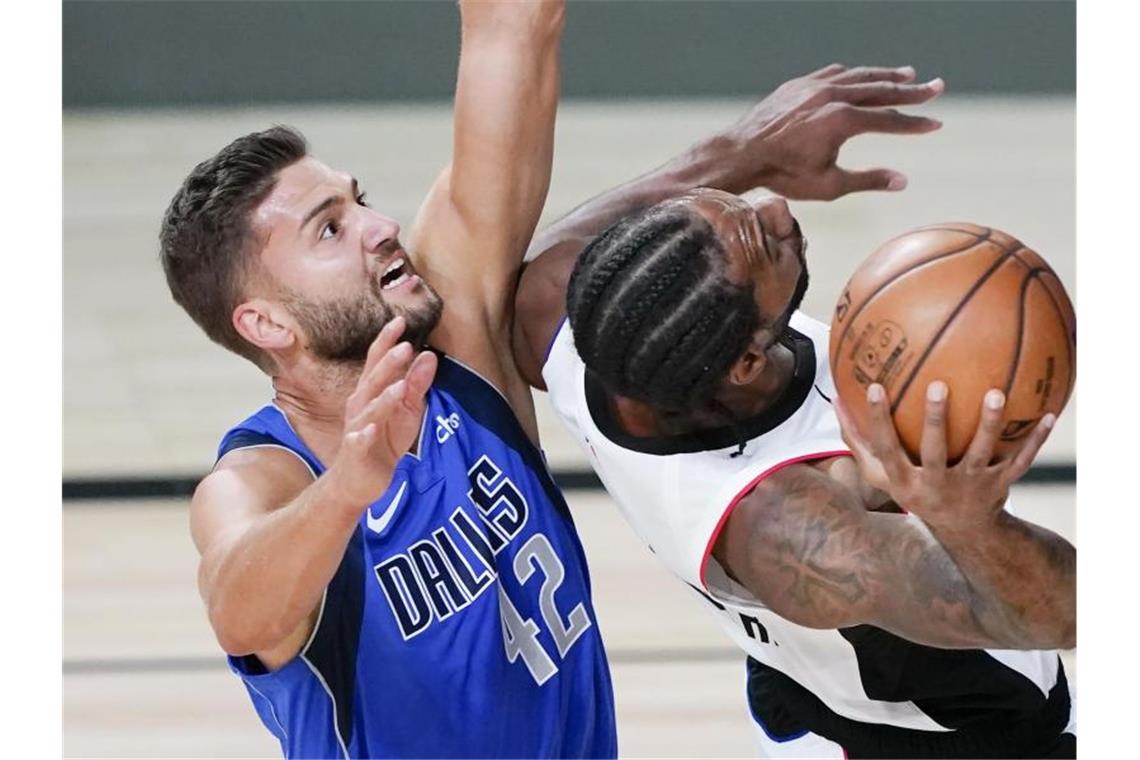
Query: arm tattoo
<point x="804" y="563"/>
<point x="809" y="550"/>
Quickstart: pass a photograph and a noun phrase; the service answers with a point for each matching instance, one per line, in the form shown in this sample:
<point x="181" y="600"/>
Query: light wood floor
<point x="143" y="676"/>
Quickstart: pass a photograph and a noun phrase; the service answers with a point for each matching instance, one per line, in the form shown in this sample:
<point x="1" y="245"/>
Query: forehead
<point x="299" y="187"/>
<point x="734" y="223"/>
<point x="715" y="204"/>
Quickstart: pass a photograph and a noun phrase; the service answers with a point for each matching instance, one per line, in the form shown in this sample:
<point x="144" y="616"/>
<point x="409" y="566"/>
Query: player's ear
<point x="753" y="361"/>
<point x="265" y="324"/>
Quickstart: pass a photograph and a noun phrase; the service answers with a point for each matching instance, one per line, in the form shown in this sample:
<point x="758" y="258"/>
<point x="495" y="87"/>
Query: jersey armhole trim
<point x="303" y="655"/>
<point x="302" y="459"/>
<point x="748" y="489"/>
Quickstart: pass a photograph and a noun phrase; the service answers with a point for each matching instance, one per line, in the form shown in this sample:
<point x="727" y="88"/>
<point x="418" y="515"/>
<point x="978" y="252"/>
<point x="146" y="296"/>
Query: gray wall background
<point x="171" y="52"/>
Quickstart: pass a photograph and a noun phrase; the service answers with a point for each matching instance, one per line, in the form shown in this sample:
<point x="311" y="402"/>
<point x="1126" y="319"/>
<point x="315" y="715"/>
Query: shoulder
<point x="793" y="496"/>
<point x="540" y="308"/>
<point x="245" y="483"/>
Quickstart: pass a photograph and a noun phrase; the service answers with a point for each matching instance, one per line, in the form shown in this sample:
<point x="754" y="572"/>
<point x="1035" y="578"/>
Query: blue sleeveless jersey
<point x="459" y="623"/>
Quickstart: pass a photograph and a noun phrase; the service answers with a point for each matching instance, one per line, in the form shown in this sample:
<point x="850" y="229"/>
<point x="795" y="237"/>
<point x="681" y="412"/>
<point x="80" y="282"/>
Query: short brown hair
<point x="206" y="233"/>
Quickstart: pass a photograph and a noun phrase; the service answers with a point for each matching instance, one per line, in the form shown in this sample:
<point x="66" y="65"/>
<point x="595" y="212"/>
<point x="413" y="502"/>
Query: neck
<point x="313" y="397"/>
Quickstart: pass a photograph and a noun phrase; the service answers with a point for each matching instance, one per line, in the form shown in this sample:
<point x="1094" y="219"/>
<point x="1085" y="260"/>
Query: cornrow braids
<point x="654" y="315"/>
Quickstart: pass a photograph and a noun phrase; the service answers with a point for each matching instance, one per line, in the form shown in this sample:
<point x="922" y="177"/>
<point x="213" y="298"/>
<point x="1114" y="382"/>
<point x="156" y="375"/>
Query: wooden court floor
<point x="143" y="676"/>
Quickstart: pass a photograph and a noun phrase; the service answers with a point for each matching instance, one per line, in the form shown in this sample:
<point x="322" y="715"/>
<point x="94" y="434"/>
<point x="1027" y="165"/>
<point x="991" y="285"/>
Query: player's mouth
<point x="398" y="272"/>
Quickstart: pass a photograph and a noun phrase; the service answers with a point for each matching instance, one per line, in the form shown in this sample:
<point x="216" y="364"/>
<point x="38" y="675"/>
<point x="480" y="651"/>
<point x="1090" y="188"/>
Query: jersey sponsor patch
<point x="445" y="427"/>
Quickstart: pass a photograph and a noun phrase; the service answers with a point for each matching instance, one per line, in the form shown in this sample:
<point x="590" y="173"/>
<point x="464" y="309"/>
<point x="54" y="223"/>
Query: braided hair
<point x="654" y="315"/>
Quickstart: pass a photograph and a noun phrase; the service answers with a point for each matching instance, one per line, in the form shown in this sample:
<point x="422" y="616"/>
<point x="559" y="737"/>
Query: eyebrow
<point x="327" y="203"/>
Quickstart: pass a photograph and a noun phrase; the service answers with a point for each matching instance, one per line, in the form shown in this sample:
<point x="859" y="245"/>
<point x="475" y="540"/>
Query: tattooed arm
<point x="805" y="545"/>
<point x="1030" y="569"/>
<point x="970" y="576"/>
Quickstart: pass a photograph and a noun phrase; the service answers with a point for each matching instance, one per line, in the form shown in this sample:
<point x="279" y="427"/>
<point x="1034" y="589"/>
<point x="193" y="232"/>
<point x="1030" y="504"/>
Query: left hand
<point x="963" y="496"/>
<point x="789" y="142"/>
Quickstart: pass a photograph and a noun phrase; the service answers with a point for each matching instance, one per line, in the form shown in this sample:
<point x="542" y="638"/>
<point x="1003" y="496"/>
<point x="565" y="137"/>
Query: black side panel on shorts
<point x="333" y="649"/>
<point x="787" y="708"/>
<point x="955" y="687"/>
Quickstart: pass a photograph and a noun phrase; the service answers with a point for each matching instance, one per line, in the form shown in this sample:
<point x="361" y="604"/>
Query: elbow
<point x="537" y="19"/>
<point x="1067" y="635"/>
<point x="239" y="635"/>
<point x="1055" y="637"/>
<point x="1056" y="633"/>
<point x="552" y="18"/>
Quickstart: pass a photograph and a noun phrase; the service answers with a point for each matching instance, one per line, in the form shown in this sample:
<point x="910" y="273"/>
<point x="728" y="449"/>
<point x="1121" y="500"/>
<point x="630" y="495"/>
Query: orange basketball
<point x="968" y="305"/>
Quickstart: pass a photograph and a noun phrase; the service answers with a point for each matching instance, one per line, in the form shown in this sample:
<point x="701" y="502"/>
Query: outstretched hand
<point x="963" y="495"/>
<point x="789" y="142"/>
<point x="383" y="415"/>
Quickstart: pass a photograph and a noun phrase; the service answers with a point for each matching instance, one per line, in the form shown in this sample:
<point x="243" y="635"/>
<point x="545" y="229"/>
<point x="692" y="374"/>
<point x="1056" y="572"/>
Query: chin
<point x="422" y="317"/>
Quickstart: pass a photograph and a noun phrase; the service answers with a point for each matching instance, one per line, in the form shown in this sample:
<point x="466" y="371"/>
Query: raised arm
<point x="474" y="226"/>
<point x="806" y="546"/>
<point x="788" y="142"/>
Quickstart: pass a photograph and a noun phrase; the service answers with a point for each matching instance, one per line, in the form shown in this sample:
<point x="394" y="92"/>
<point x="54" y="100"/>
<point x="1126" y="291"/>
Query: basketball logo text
<point x="843" y="305"/>
<point x="880" y="354"/>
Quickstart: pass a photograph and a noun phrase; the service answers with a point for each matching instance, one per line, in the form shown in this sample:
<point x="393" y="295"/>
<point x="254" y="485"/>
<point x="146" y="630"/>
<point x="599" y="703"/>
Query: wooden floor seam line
<point x="182" y="486"/>
<point x="124" y="665"/>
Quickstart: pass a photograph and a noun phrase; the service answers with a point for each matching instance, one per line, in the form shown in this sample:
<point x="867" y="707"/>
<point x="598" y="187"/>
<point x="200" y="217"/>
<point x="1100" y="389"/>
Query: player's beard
<point x="341" y="331"/>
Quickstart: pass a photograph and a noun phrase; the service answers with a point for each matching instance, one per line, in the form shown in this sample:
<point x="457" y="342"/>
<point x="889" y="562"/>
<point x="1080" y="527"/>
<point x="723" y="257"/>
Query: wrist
<point x="724" y="162"/>
<point x="955" y="526"/>
<point x="340" y="494"/>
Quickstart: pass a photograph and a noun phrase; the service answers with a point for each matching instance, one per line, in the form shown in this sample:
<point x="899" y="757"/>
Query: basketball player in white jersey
<point x="704" y="401"/>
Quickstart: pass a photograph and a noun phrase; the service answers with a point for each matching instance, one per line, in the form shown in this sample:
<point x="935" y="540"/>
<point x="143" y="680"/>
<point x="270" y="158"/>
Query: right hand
<point x="789" y="142"/>
<point x="382" y="416"/>
<point x="964" y="496"/>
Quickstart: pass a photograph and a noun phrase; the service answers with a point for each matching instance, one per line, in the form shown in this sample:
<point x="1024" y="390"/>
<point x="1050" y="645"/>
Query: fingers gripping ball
<point x="968" y="305"/>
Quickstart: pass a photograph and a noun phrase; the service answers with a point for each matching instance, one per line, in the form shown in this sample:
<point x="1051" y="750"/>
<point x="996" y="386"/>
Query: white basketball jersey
<point x="678" y="491"/>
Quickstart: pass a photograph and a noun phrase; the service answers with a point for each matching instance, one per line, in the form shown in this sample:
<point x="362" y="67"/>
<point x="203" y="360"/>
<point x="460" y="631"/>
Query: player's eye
<point x="329" y="230"/>
<point x="361" y="199"/>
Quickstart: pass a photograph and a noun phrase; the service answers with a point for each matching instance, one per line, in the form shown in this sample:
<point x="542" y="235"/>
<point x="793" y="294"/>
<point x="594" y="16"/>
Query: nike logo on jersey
<point x="378" y="524"/>
<point x="445" y="427"/>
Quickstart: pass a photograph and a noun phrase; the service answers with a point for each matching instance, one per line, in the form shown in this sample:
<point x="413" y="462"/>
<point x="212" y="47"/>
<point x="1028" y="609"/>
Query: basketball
<point x="969" y="305"/>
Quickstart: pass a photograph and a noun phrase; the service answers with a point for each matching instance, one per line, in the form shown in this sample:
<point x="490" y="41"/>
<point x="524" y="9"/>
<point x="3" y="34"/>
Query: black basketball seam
<point x="1025" y="263"/>
<point x="1033" y="272"/>
<point x="978" y="240"/>
<point x="946" y="325"/>
<point x="1070" y="346"/>
<point x="1029" y="278"/>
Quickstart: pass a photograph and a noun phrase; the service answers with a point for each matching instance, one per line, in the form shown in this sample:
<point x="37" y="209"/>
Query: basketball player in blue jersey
<point x="383" y="553"/>
<point x="672" y="348"/>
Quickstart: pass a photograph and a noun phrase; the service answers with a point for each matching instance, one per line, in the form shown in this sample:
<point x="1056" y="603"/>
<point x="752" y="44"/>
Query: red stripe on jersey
<point x="748" y="488"/>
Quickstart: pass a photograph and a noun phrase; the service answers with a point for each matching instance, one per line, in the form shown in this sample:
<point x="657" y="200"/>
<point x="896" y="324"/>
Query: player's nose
<point x="379" y="231"/>
<point x="775" y="217"/>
